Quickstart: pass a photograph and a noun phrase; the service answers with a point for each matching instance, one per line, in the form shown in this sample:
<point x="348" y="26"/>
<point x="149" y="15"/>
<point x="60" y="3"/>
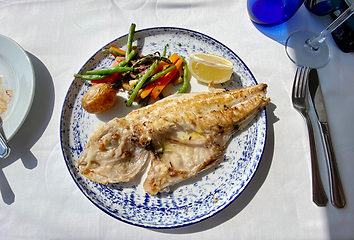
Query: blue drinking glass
<point x="323" y="7"/>
<point x="272" y="12"/>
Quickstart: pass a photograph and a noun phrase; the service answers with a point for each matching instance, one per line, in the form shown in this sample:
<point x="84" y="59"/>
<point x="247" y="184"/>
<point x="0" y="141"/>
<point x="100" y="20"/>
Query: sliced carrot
<point x="174" y="58"/>
<point x="160" y="66"/>
<point x="110" y="79"/>
<point x="121" y="51"/>
<point x="147" y="90"/>
<point x="150" y="87"/>
<point x="161" y="84"/>
<point x="117" y="60"/>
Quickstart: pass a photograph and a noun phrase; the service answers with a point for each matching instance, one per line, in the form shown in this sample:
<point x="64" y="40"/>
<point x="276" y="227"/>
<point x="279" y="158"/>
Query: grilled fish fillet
<point x="180" y="135"/>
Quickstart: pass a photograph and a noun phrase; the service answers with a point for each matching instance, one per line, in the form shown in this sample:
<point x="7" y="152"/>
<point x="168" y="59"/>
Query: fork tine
<point x="300" y="82"/>
<point x="296" y="82"/>
<point x="304" y="80"/>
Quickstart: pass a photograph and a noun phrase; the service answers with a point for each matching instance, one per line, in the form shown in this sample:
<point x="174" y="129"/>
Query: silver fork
<point x="301" y="104"/>
<point x="4" y="147"/>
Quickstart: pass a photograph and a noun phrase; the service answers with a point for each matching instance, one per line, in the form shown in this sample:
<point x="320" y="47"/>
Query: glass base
<point x="302" y="55"/>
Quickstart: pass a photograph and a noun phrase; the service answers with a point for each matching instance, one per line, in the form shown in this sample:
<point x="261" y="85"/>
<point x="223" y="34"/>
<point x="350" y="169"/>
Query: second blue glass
<point x="323" y="7"/>
<point x="272" y="12"/>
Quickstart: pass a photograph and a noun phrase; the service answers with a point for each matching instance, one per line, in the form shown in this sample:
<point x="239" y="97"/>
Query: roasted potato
<point x="99" y="98"/>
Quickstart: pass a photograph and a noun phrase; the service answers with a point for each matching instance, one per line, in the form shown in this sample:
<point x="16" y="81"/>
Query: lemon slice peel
<point x="210" y="68"/>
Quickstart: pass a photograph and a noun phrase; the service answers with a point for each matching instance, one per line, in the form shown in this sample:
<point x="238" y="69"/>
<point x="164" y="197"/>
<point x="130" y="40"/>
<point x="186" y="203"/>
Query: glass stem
<point x="314" y="42"/>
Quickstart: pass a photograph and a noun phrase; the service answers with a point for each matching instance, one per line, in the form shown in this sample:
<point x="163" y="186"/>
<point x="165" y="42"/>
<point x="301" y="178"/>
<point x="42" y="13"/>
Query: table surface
<point x="40" y="199"/>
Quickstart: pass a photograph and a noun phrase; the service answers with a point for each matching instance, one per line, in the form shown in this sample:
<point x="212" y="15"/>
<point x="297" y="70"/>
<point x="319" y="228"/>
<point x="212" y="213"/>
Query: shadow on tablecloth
<point x="32" y="128"/>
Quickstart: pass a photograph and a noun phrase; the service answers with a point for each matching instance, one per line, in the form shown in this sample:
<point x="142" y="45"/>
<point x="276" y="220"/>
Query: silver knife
<point x="337" y="193"/>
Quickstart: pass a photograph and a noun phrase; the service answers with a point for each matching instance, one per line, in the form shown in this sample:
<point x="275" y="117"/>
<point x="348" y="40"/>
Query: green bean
<point x="128" y="58"/>
<point x="110" y="71"/>
<point x="130" y="39"/>
<point x="141" y="83"/>
<point x="164" y="50"/>
<point x="185" y="77"/>
<point x="112" y="52"/>
<point x="91" y="77"/>
<point x="143" y="102"/>
<point x="151" y="57"/>
<point x="118" y="68"/>
<point x="117" y="83"/>
<point x="161" y="73"/>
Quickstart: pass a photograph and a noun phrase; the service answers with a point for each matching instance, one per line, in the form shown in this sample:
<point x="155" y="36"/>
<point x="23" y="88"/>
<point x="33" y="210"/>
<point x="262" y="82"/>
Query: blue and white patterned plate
<point x="195" y="199"/>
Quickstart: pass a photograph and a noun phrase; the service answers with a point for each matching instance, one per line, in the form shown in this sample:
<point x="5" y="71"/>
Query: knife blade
<point x="336" y="188"/>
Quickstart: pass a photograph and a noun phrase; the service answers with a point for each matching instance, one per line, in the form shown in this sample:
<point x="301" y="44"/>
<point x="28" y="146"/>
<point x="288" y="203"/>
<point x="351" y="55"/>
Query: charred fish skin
<point x="180" y="135"/>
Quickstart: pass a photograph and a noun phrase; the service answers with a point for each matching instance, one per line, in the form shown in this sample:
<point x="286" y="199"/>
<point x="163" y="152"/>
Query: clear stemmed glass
<point x="306" y="48"/>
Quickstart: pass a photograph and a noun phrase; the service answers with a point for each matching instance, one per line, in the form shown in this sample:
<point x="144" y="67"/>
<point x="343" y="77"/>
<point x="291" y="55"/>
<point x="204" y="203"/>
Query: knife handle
<point x="318" y="193"/>
<point x="337" y="193"/>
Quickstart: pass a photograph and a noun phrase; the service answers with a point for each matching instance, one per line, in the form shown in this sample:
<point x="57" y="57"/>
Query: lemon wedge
<point x="209" y="68"/>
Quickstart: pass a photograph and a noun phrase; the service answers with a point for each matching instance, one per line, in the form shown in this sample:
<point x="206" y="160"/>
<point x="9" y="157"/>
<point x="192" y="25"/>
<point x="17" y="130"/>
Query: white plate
<point x="193" y="200"/>
<point x="16" y="69"/>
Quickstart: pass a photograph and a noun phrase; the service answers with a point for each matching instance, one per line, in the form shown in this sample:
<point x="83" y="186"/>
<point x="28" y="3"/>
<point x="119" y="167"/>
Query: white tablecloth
<point x="39" y="199"/>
